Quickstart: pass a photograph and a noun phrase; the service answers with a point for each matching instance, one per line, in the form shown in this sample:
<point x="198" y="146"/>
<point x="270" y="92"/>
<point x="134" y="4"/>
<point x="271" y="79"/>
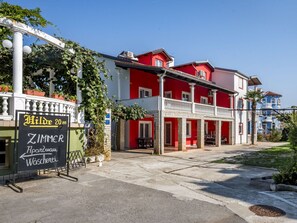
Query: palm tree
<point x="254" y="96"/>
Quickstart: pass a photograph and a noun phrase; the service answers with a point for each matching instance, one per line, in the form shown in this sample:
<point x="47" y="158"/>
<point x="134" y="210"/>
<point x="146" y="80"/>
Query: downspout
<point x="161" y="92"/>
<point x="235" y="115"/>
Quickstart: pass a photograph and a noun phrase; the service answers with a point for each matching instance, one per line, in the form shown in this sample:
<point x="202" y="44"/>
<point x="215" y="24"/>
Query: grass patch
<point x="275" y="157"/>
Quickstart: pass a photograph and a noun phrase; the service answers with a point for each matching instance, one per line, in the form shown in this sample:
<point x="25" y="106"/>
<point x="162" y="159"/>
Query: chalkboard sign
<point x="42" y="141"/>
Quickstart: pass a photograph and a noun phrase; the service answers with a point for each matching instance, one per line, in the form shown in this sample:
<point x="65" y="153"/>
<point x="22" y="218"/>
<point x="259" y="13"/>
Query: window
<point x="188" y="129"/>
<point x="186" y="96"/>
<point x="240" y="130"/>
<point x="158" y="63"/>
<point x="203" y="100"/>
<point x="145" y="92"/>
<point x="145" y="129"/>
<point x="168" y="94"/>
<point x="240" y="82"/>
<point x="278" y="101"/>
<point x="263" y="100"/>
<point x="201" y="74"/>
<point x="273" y="100"/>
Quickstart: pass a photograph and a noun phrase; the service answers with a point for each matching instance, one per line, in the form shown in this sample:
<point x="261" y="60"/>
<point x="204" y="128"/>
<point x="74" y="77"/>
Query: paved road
<point x="98" y="199"/>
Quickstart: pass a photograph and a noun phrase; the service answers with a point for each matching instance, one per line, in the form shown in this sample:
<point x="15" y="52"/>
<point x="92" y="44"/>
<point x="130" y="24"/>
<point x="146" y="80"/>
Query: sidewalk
<point x="191" y="175"/>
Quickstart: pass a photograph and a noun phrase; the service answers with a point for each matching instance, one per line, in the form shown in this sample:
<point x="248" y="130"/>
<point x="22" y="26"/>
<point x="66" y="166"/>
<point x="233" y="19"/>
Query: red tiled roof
<point x="270" y="93"/>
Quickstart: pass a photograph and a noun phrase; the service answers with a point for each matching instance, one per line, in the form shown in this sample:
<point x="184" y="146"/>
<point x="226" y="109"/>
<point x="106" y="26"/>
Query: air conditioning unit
<point x="130" y="54"/>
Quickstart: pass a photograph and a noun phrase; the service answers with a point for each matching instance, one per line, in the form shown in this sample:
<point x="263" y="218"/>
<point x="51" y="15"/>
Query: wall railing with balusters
<point x="40" y="104"/>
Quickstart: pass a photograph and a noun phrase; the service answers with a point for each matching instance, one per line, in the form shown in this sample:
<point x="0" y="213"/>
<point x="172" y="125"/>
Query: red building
<point x="185" y="108"/>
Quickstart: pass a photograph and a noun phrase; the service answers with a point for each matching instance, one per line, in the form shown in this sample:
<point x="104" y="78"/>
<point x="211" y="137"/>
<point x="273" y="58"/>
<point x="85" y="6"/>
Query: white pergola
<point x="19" y="29"/>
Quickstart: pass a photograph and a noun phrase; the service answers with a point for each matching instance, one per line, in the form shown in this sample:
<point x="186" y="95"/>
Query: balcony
<point x="267" y="119"/>
<point x="154" y="104"/>
<point x="36" y="103"/>
<point x="267" y="105"/>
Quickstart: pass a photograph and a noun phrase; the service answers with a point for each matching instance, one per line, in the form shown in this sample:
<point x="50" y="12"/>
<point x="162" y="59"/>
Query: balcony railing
<point x="36" y="103"/>
<point x="154" y="104"/>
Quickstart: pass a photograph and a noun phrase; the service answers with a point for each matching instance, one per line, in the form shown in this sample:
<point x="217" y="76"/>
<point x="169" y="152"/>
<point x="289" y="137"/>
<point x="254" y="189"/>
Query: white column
<point x="161" y="90"/>
<point x="218" y="133"/>
<point x="215" y="101"/>
<point x="159" y="133"/>
<point x="231" y="133"/>
<point x="192" y="87"/>
<point x="17" y="62"/>
<point x="182" y="135"/>
<point x="200" y="133"/>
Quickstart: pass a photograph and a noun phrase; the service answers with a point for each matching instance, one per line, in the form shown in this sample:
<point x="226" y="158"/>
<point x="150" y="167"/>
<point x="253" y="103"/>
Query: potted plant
<point x="58" y="95"/>
<point x="5" y="88"/>
<point x="35" y="92"/>
<point x="71" y="98"/>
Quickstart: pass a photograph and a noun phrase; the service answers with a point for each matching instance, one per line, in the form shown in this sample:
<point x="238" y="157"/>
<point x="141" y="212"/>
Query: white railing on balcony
<point x="39" y="104"/>
<point x="148" y="103"/>
<point x="177" y="105"/>
<point x="49" y="105"/>
<point x="204" y="109"/>
<point x="224" y="112"/>
<point x="267" y="105"/>
<point x="154" y="104"/>
<point x="5" y="106"/>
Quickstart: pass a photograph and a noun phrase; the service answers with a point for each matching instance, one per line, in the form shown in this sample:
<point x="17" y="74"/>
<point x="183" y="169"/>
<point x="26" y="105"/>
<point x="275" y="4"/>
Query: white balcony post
<point x="18" y="101"/>
<point x="192" y="87"/>
<point x="161" y="90"/>
<point x="200" y="133"/>
<point x="218" y="132"/>
<point x="17" y="62"/>
<point x="182" y="138"/>
<point x="215" y="102"/>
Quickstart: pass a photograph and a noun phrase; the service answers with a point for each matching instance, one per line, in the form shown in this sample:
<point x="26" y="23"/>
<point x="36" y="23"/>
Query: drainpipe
<point x="161" y="121"/>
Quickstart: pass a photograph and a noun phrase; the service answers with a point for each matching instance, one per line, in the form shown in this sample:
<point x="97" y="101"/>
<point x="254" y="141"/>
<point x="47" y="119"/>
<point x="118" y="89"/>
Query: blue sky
<point x="256" y="37"/>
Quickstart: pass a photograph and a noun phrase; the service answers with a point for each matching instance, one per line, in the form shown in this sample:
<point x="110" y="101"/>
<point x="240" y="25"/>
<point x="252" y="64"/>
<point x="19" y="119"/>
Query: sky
<point x="256" y="37"/>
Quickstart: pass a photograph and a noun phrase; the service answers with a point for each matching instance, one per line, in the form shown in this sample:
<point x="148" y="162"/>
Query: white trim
<point x="190" y="129"/>
<point x="205" y="98"/>
<point x="150" y="127"/>
<point x="144" y="89"/>
<point x="165" y="129"/>
<point x="168" y="92"/>
<point x="186" y="93"/>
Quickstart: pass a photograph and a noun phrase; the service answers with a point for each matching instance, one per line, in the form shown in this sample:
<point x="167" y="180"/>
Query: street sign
<point x="42" y="141"/>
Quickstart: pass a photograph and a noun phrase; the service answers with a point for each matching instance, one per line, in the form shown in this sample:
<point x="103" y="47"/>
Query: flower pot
<point x="56" y="96"/>
<point x="4" y="88"/>
<point x="34" y="92"/>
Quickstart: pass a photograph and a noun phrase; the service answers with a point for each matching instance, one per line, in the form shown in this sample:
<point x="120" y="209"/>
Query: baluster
<point x="40" y="106"/>
<point x="56" y="107"/>
<point x="34" y="106"/>
<point x="46" y="108"/>
<point x="5" y="106"/>
<point x="27" y="106"/>
<point x="51" y="106"/>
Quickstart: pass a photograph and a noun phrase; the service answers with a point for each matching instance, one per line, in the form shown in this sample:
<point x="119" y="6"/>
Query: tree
<point x="255" y="97"/>
<point x="31" y="17"/>
<point x="64" y="63"/>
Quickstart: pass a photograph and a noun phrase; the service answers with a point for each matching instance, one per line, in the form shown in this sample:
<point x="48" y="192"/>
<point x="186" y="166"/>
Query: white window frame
<point x="189" y="123"/>
<point x="273" y="100"/>
<point x="186" y="93"/>
<point x="166" y="93"/>
<point x="149" y="129"/>
<point x="166" y="123"/>
<point x="206" y="128"/>
<point x="205" y="100"/>
<point x="144" y="89"/>
<point x="159" y="63"/>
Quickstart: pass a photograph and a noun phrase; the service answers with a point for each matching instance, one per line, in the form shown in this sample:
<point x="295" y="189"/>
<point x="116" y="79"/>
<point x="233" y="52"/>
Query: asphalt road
<point x="98" y="199"/>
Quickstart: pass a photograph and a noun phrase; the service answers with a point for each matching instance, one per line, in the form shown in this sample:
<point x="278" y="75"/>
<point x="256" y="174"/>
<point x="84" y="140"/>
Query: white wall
<point x="230" y="80"/>
<point x="119" y="86"/>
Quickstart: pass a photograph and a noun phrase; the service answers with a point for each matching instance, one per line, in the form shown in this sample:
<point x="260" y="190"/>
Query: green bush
<point x="275" y="135"/>
<point x="260" y="137"/>
<point x="287" y="175"/>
